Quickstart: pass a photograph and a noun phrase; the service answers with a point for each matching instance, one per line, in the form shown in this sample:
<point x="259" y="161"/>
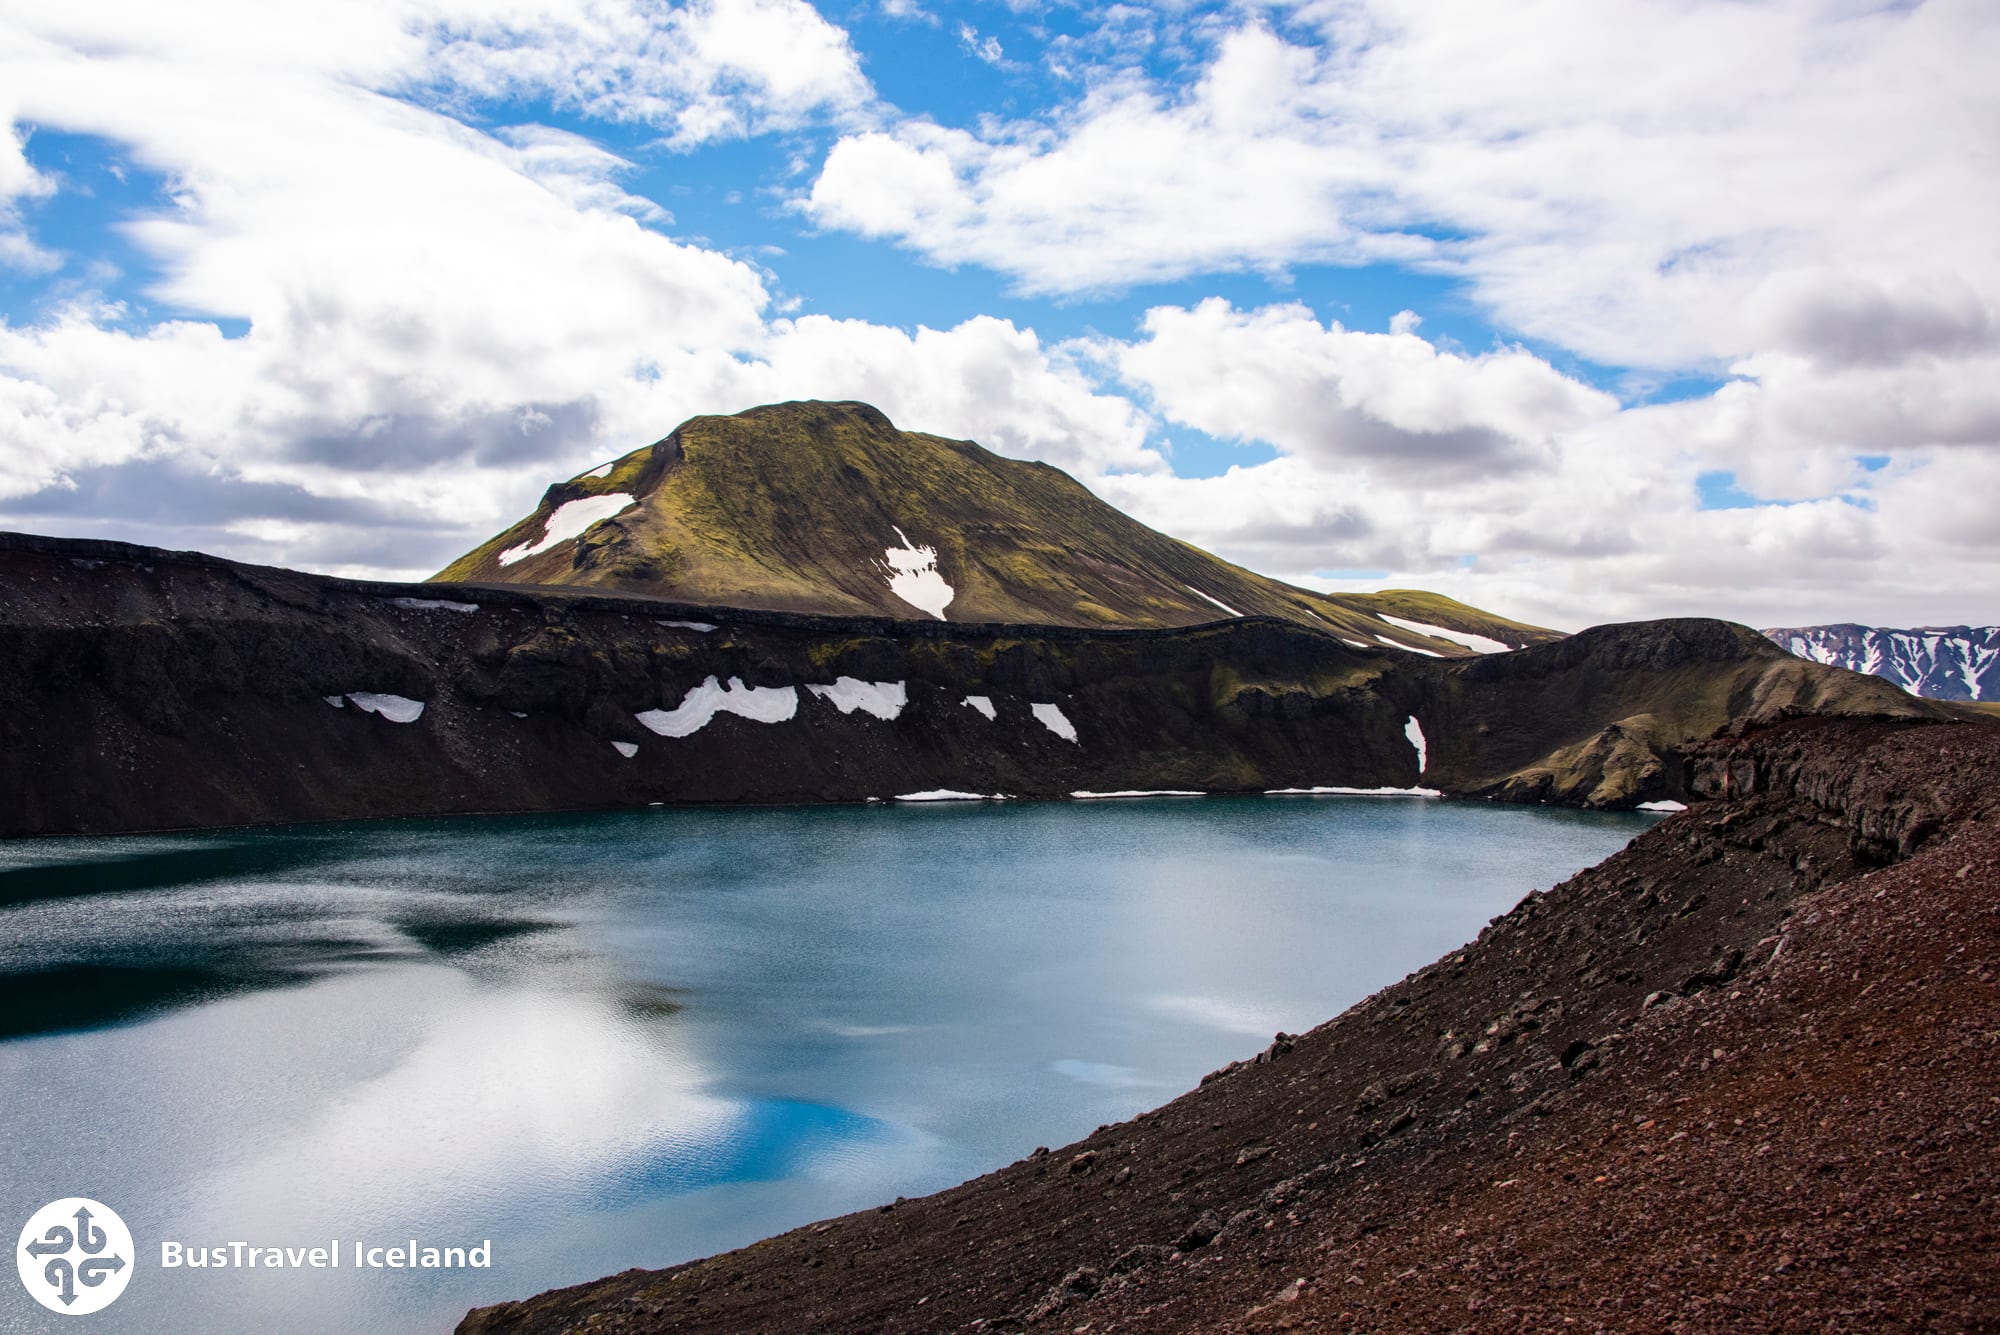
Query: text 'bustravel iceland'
<point x="407" y="1255"/>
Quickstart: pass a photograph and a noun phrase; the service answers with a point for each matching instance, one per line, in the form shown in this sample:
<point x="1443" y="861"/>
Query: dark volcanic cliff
<point x="1739" y="1077"/>
<point x="146" y="689"/>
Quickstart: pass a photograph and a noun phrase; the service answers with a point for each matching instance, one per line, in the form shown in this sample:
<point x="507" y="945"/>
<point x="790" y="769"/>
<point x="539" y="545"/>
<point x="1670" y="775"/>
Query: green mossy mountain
<point x="795" y="507"/>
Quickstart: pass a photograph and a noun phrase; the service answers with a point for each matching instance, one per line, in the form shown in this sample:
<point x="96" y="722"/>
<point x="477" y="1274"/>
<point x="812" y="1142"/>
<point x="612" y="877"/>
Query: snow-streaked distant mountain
<point x="1941" y="662"/>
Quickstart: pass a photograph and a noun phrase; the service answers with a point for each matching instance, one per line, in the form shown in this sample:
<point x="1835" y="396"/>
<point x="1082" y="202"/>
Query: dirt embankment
<point x="1743" y="1076"/>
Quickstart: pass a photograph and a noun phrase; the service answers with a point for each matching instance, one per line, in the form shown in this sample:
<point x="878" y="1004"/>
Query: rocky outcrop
<point x="142" y="689"/>
<point x="1736" y="1077"/>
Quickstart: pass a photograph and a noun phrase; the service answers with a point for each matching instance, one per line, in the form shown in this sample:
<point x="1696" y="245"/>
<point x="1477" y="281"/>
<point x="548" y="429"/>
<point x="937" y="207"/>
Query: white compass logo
<point x="75" y="1256"/>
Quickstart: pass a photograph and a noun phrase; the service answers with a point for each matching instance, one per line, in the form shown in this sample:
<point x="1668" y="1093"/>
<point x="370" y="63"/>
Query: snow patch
<point x="1052" y="718"/>
<point x="626" y="749"/>
<point x="1353" y="644"/>
<point x="761" y="704"/>
<point x="1217" y="601"/>
<point x="566" y="521"/>
<point x="1665" y="804"/>
<point x="1408" y="648"/>
<point x="949" y="795"/>
<point x="883" y="699"/>
<point x="434" y="605"/>
<point x="703" y="626"/>
<point x="337" y="701"/>
<point x="1415" y="732"/>
<point x="1481" y="643"/>
<point x="1353" y="792"/>
<point x="1084" y="795"/>
<point x="914" y="577"/>
<point x="395" y="708"/>
<point x="602" y="470"/>
<point x="984" y="704"/>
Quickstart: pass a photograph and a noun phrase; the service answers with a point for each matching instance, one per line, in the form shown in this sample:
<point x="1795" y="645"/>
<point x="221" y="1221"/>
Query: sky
<point x="1579" y="310"/>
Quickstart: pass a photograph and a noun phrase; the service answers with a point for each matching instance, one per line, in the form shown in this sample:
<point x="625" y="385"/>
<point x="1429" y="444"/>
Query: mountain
<point x="828" y="508"/>
<point x="1938" y="662"/>
<point x="215" y="693"/>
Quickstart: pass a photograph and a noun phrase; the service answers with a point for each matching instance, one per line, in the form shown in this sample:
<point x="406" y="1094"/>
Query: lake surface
<point x="632" y="1038"/>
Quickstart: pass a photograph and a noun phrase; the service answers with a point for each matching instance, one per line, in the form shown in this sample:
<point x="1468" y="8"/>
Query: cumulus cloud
<point x="1844" y="320"/>
<point x="1615" y="176"/>
<point x="1500" y="480"/>
<point x="435" y="313"/>
<point x="1132" y="187"/>
<point x="984" y="379"/>
<point x="1393" y="401"/>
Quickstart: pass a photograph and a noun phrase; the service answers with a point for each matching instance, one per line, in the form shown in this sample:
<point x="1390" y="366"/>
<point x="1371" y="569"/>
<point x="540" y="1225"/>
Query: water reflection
<point x="627" y="1039"/>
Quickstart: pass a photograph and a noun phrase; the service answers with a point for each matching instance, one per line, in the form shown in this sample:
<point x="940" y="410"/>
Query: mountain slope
<point x="828" y="508"/>
<point x="216" y="694"/>
<point x="1938" y="662"/>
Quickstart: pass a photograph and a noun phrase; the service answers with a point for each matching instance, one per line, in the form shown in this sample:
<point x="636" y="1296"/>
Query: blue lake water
<point x="625" y="1039"/>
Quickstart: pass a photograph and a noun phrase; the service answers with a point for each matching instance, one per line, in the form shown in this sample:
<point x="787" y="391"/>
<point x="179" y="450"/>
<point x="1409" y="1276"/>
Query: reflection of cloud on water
<point x="509" y="1101"/>
<point x="1231" y="1015"/>
<point x="874" y="1030"/>
<point x="1102" y="1074"/>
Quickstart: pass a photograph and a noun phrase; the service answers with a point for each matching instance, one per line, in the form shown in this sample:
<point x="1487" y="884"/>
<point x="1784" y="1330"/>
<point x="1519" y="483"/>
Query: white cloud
<point x="435" y="313"/>
<point x="909" y="10"/>
<point x="19" y="180"/>
<point x="987" y="49"/>
<point x="1393" y="401"/>
<point x="1616" y="176"/>
<point x="1499" y="480"/>
<point x="983" y="380"/>
<point x="705" y="70"/>
<point x="1131" y="188"/>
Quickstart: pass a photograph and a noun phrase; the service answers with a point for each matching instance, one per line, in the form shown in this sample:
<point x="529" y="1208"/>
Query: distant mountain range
<point x="1938" y="662"/>
<point x="829" y="509"/>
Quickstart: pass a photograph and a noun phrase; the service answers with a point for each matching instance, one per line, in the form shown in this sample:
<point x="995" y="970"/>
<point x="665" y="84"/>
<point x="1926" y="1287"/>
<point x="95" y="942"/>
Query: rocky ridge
<point x="214" y="693"/>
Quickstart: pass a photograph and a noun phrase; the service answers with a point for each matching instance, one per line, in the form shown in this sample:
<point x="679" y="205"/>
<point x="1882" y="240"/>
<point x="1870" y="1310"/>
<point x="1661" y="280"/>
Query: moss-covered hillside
<point x="828" y="508"/>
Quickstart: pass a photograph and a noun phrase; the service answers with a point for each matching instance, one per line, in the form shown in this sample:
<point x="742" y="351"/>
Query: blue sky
<point x="1577" y="312"/>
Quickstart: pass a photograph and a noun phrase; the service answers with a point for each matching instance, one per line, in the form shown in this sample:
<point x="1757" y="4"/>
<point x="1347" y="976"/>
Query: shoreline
<point x="1656" y="1093"/>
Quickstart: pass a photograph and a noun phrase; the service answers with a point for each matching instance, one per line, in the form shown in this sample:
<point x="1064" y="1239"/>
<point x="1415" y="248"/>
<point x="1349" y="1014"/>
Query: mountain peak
<point x="828" y="507"/>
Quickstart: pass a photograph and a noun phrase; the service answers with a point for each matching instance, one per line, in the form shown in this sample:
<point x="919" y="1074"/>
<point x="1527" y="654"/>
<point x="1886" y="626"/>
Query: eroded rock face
<point x="1738" y="1076"/>
<point x="142" y="689"/>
